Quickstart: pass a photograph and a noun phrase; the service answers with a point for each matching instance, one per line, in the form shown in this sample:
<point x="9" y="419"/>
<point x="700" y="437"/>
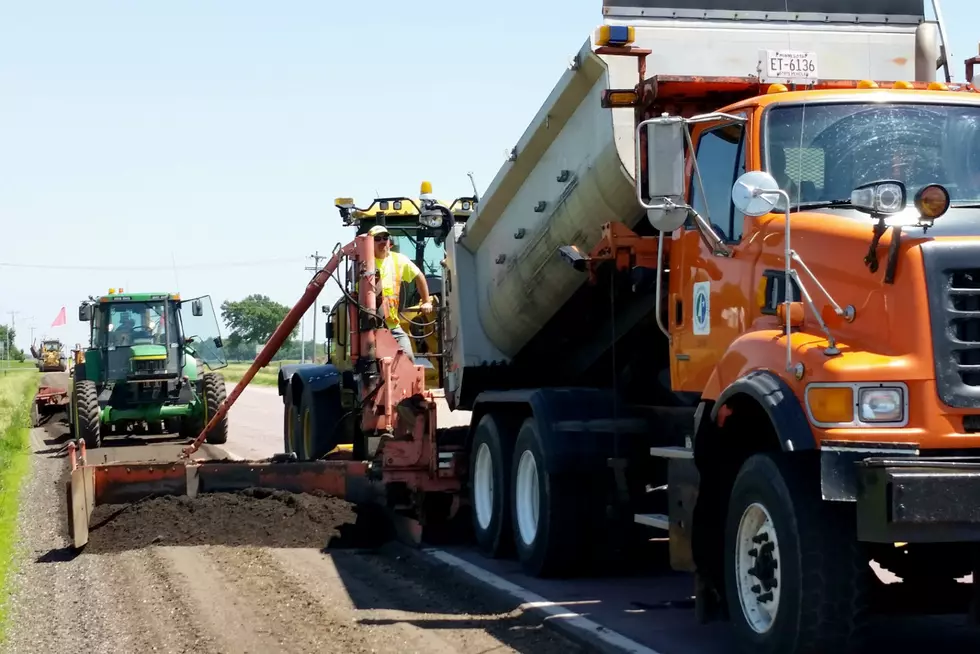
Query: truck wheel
<point x="490" y="456"/>
<point x="550" y="513"/>
<point x="795" y="576"/>
<point x="214" y="395"/>
<point x="87" y="417"/>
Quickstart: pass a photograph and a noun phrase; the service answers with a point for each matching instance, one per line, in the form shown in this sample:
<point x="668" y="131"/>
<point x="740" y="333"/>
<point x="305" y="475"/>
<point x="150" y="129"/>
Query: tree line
<point x="251" y="322"/>
<point x="16" y="354"/>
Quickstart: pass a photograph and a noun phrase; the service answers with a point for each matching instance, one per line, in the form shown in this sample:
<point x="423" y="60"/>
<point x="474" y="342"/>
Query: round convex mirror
<point x="752" y="193"/>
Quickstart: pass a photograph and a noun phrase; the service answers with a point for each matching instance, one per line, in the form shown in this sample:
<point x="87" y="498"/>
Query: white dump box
<point x="573" y="168"/>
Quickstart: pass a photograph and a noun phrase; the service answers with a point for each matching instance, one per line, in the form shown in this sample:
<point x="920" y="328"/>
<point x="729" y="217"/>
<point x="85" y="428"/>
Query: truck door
<point x="710" y="294"/>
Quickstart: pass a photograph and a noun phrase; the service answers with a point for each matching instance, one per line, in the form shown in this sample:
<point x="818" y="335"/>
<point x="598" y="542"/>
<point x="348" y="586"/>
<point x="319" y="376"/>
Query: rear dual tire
<point x="489" y="487"/>
<point x="518" y="505"/>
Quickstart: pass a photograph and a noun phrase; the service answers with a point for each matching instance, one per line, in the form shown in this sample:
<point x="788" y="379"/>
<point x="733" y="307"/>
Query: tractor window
<point x="721" y="159"/>
<point x="137" y="323"/>
<point x="406" y="241"/>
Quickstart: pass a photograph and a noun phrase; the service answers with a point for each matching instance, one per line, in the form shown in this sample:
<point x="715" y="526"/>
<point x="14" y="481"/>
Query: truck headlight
<point x="885" y="404"/>
<point x="864" y="404"/>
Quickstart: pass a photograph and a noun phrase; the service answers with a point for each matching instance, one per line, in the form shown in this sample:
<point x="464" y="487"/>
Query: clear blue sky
<point x="219" y="132"/>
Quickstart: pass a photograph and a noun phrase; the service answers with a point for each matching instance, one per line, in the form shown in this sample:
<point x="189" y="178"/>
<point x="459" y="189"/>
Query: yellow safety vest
<point x="393" y="269"/>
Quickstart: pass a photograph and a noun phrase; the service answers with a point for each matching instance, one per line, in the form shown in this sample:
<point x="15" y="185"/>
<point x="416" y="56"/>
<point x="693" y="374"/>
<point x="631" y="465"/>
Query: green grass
<point x="16" y="396"/>
<point x="267" y="376"/>
<point x="18" y="365"/>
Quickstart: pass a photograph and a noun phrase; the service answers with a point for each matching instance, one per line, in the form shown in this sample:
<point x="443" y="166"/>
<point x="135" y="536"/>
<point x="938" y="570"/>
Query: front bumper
<point x="918" y="499"/>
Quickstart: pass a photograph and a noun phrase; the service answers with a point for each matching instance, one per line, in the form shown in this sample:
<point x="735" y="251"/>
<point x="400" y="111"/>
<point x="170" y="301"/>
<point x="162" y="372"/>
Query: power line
<point x="203" y="266"/>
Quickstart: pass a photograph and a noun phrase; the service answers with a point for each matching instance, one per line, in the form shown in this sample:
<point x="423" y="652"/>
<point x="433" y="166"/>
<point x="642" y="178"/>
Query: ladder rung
<point x="657" y="520"/>
<point x="672" y="452"/>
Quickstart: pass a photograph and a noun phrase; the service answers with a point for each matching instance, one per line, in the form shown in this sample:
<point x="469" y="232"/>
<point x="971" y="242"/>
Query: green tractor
<point x="144" y="368"/>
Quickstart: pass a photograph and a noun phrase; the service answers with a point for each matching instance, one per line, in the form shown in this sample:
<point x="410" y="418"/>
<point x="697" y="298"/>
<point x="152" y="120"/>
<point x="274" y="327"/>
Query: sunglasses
<point x="380" y="237"/>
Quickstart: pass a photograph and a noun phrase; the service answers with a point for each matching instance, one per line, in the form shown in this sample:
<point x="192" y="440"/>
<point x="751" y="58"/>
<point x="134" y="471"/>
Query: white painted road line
<point x="572" y="623"/>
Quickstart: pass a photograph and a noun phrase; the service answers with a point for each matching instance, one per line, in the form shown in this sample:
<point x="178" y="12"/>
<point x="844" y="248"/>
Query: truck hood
<point x="146" y="351"/>
<point x="956" y="222"/>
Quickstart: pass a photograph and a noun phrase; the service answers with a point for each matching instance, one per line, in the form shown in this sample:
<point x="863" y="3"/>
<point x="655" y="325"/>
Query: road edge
<point x="574" y="626"/>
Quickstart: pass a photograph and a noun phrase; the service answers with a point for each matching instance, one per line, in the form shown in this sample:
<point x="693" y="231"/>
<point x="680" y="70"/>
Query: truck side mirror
<point x="329" y="330"/>
<point x="85" y="312"/>
<point x="197" y="308"/>
<point x="755" y="193"/>
<point x="665" y="174"/>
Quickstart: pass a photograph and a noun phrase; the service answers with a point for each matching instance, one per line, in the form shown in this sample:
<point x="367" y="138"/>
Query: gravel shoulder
<point x="240" y="574"/>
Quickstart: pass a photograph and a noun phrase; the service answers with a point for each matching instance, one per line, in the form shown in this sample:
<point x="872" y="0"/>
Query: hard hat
<point x="377" y="229"/>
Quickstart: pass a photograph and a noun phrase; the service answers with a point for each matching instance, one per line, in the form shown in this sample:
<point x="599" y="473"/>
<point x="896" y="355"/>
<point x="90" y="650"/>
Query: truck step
<point x="657" y="520"/>
<point x="672" y="452"/>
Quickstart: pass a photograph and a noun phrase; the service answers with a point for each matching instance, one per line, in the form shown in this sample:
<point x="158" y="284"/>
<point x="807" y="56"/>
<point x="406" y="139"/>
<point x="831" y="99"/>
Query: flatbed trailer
<point x="682" y="305"/>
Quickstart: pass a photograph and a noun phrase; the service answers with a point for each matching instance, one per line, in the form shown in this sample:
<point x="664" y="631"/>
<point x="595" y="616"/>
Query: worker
<point x="124" y="331"/>
<point x="395" y="268"/>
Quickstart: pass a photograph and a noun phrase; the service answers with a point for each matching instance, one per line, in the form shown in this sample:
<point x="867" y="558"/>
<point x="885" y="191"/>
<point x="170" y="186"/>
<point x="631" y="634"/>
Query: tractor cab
<point x="145" y="364"/>
<point x="420" y="236"/>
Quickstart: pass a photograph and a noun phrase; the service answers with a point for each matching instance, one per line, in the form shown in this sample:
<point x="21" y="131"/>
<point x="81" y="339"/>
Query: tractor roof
<point x="119" y="296"/>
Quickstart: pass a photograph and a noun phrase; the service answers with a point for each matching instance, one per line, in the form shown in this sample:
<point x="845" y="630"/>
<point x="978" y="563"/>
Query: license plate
<point x="790" y="65"/>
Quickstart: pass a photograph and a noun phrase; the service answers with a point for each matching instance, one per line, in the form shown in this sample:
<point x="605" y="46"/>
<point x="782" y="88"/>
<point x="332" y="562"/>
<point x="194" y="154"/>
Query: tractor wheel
<point x="214" y="396"/>
<point x="796" y="577"/>
<point x="87" y="419"/>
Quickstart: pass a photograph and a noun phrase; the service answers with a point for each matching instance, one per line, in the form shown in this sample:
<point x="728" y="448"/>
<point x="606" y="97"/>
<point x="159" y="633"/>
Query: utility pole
<point x="302" y="339"/>
<point x="13" y="325"/>
<point x="315" y="268"/>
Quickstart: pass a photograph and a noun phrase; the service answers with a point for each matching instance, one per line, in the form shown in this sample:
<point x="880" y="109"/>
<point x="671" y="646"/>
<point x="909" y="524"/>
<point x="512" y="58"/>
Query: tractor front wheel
<point x="214" y="396"/>
<point x="87" y="414"/>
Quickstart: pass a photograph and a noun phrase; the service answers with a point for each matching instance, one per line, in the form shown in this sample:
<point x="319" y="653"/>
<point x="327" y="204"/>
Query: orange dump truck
<point x="727" y="286"/>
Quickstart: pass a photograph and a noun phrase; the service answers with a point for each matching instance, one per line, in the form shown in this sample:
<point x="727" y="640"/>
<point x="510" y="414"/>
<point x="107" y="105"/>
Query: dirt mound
<point x="257" y="517"/>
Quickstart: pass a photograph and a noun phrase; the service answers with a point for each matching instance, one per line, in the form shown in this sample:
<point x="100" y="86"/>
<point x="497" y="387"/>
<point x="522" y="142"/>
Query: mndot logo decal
<point x="702" y="308"/>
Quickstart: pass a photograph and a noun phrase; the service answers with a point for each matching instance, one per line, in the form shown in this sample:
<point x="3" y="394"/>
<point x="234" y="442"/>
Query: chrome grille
<point x="953" y="277"/>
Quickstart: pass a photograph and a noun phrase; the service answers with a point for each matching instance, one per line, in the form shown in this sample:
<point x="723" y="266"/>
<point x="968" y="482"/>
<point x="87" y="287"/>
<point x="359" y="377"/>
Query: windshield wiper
<point x="820" y="204"/>
<point x="965" y="205"/>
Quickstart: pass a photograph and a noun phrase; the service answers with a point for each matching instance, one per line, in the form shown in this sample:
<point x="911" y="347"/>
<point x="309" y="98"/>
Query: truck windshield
<point x="820" y="152"/>
<point x="134" y="323"/>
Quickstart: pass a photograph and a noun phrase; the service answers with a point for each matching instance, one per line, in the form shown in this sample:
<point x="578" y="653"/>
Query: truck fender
<point x="778" y="401"/>
<point x="285" y="375"/>
<point x="575" y="424"/>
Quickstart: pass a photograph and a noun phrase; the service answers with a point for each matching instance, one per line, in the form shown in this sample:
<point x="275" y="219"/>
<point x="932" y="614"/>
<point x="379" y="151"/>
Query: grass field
<point x="267" y="376"/>
<point x="18" y="365"/>
<point x="16" y="395"/>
